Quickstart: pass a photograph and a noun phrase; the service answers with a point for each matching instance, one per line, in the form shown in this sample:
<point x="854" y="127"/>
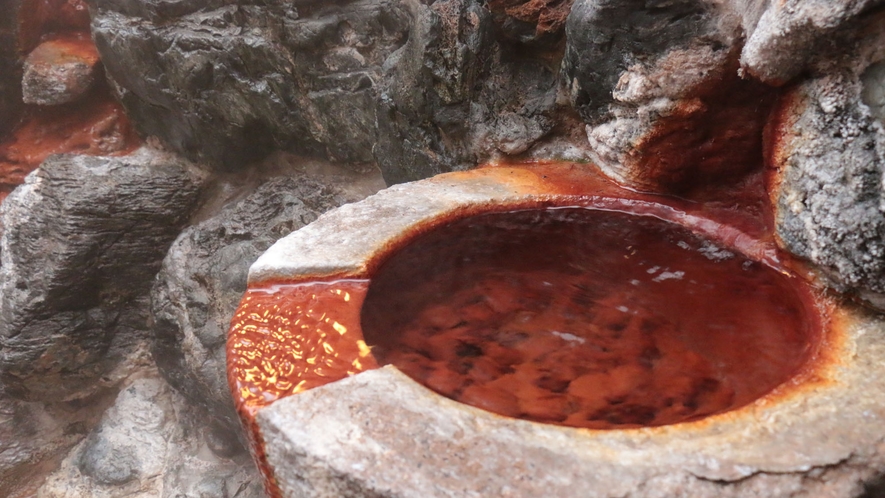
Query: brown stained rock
<point x="59" y="71"/>
<point x="657" y="85"/>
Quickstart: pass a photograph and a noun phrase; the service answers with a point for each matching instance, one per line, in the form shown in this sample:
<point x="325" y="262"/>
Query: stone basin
<point x="350" y="428"/>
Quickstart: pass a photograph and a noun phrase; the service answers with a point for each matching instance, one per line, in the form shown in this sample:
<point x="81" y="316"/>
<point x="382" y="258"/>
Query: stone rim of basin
<point x="304" y="440"/>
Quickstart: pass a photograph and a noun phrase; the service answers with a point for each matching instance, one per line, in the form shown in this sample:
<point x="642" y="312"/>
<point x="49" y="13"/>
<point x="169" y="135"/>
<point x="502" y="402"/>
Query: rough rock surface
<point x="657" y="85"/>
<point x="203" y="279"/>
<point x="418" y="88"/>
<point x="59" y="71"/>
<point x="790" y="33"/>
<point x="224" y="82"/>
<point x="454" y="95"/>
<point x="10" y="66"/>
<point x="83" y="237"/>
<point x="151" y="444"/>
<point x="828" y="147"/>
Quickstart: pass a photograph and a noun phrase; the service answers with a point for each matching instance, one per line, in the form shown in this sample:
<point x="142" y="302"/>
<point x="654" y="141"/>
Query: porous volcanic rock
<point x="82" y="240"/>
<point x="826" y="144"/>
<point x="224" y="82"/>
<point x="203" y="279"/>
<point x="150" y="443"/>
<point x="789" y="34"/>
<point x="10" y="66"/>
<point x="657" y="85"/>
<point x="59" y="71"/>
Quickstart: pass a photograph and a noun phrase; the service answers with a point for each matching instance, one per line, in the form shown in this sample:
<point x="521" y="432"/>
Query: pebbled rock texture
<point x="657" y="84"/>
<point x="203" y="278"/>
<point x="150" y="443"/>
<point x="827" y="146"/>
<point x="82" y="239"/>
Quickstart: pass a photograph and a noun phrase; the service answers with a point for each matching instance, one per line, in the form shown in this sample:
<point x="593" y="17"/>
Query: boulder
<point x="60" y="70"/>
<point x="224" y="82"/>
<point x="418" y="88"/>
<point x="657" y="85"/>
<point x="82" y="241"/>
<point x="826" y="145"/>
<point x="203" y="278"/>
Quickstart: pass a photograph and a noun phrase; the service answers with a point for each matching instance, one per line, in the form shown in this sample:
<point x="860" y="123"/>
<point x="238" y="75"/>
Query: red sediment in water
<point x="285" y="339"/>
<point x="587" y="318"/>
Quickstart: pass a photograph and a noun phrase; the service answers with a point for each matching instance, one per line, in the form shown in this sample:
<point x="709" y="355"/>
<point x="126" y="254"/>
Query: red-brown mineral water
<point x="587" y="318"/>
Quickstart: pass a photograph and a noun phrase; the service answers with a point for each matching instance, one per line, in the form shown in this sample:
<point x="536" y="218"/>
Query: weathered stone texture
<point x="393" y="437"/>
<point x="203" y="279"/>
<point x="417" y="88"/>
<point x="828" y="148"/>
<point x="82" y="240"/>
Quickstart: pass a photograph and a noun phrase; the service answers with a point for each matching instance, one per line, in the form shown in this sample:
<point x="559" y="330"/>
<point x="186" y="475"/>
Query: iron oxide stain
<point x="588" y="318"/>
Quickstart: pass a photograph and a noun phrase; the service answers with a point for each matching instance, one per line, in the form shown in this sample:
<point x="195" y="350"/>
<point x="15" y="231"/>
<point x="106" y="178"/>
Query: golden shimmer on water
<point x="285" y="339"/>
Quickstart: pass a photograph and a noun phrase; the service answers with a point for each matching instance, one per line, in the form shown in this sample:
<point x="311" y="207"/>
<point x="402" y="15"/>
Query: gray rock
<point x="828" y="148"/>
<point x="454" y="96"/>
<point x="10" y="66"/>
<point x="418" y="88"/>
<point x="657" y="85"/>
<point x="223" y="82"/>
<point x="204" y="276"/>
<point x="82" y="240"/>
<point x="789" y="34"/>
<point x="59" y="71"/>
<point x="151" y="443"/>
